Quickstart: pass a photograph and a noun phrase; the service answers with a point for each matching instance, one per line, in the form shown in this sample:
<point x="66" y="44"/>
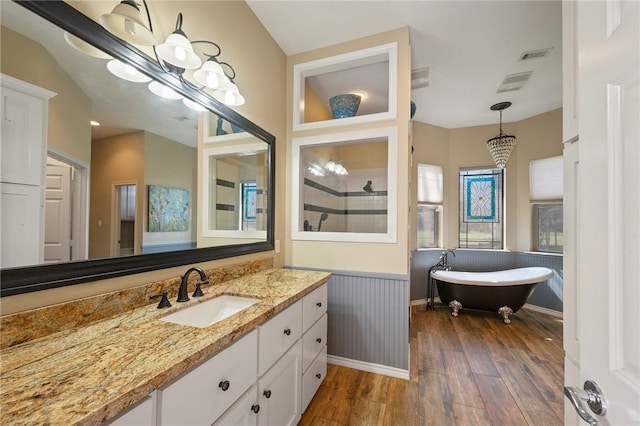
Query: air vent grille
<point x="514" y="82"/>
<point x="535" y="54"/>
<point x="420" y="78"/>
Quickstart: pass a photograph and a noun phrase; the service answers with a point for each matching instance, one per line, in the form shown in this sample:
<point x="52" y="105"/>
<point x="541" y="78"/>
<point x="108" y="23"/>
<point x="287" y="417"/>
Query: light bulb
<point x="212" y="80"/>
<point x="180" y="53"/>
<point x="129" y="27"/>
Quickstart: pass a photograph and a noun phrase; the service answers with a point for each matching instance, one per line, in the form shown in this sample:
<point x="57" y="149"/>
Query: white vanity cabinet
<point x="268" y="377"/>
<point x="204" y="393"/>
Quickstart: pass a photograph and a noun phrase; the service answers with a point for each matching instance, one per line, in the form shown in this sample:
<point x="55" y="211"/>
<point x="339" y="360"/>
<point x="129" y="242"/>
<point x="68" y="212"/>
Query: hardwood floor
<point x="469" y="370"/>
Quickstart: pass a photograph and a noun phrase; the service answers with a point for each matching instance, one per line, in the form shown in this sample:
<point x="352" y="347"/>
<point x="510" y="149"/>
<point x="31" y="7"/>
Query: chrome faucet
<point x="182" y="293"/>
<point x="443" y="262"/>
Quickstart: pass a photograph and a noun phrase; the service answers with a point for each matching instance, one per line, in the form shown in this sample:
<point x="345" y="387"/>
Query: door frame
<point x="115" y="218"/>
<point x="79" y="203"/>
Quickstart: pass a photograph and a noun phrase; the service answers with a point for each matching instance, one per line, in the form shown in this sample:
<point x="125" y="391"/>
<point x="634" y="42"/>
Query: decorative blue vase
<point x="344" y="105"/>
<point x="236" y="129"/>
<point x="413" y="110"/>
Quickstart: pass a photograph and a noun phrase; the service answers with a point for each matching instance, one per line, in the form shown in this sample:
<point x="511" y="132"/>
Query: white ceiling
<point x="468" y="46"/>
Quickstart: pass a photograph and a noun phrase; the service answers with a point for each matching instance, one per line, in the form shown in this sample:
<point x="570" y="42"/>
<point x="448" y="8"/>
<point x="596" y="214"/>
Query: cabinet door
<point x="201" y="395"/>
<point x="279" y="390"/>
<point x="313" y="341"/>
<point x="314" y="305"/>
<point x="140" y="414"/>
<point x="278" y="334"/>
<point x="244" y="412"/>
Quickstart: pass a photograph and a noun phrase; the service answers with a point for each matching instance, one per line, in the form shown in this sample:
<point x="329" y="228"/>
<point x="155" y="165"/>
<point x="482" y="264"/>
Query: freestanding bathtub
<point x="504" y="292"/>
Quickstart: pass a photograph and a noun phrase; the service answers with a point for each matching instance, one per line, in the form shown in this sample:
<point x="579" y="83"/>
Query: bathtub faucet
<point x="444" y="259"/>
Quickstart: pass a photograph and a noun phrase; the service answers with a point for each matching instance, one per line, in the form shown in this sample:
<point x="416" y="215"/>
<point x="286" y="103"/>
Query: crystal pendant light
<point x="500" y="146"/>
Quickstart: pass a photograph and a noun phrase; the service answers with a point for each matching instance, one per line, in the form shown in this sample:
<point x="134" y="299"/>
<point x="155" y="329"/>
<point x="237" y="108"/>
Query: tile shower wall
<point x="349" y="207"/>
<point x="546" y="295"/>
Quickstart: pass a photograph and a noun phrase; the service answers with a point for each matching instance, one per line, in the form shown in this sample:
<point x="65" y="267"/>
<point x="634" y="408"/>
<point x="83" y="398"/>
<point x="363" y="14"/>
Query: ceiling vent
<point x="514" y="82"/>
<point x="535" y="54"/>
<point x="420" y="78"/>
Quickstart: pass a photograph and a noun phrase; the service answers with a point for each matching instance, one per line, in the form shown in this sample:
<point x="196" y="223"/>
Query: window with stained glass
<point x="481" y="209"/>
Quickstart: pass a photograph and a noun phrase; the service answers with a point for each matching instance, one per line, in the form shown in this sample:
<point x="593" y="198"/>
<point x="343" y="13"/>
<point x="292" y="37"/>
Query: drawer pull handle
<point x="319" y="304"/>
<point x="267" y="394"/>
<point x="319" y="376"/>
<point x="255" y="408"/>
<point x="224" y="385"/>
<point x="319" y="340"/>
<point x="287" y="331"/>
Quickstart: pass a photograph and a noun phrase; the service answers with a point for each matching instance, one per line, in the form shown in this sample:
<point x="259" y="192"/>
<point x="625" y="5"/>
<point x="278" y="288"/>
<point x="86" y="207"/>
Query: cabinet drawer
<point x="314" y="306"/>
<point x="313" y="377"/>
<point x="198" y="397"/>
<point x="313" y="341"/>
<point x="277" y="335"/>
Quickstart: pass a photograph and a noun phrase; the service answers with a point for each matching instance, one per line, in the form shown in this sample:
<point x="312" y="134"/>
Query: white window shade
<point x="429" y="184"/>
<point x="546" y="179"/>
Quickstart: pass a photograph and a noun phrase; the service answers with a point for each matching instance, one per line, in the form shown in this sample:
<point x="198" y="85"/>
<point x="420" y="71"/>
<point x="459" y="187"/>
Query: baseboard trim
<point x="540" y="309"/>
<point x="369" y="367"/>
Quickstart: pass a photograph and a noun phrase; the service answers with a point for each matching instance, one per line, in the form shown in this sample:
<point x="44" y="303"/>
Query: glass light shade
<point x="126" y="72"/>
<point x="331" y="165"/>
<point x="164" y="91"/>
<point x="84" y="47"/>
<point x="193" y="105"/>
<point x="126" y="22"/>
<point x="211" y="75"/>
<point x="177" y="51"/>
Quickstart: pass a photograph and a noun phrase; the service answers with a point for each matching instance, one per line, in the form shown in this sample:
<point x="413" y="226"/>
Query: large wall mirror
<point x="143" y="158"/>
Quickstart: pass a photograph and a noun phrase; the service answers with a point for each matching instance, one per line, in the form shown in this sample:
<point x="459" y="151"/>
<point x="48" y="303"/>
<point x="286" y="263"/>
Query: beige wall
<point x="116" y="160"/>
<point x="536" y="137"/>
<point x="389" y="258"/>
<point x="69" y="111"/>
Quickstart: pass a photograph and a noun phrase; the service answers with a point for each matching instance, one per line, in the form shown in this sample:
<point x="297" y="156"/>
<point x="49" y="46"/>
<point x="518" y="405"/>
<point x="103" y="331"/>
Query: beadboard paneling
<point x="369" y="318"/>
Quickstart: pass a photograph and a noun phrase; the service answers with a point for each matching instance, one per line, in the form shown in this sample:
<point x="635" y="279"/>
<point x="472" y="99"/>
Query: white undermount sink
<point x="207" y="313"/>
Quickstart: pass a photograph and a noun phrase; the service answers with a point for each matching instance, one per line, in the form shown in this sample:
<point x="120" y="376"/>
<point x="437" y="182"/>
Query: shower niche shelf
<point x="370" y="72"/>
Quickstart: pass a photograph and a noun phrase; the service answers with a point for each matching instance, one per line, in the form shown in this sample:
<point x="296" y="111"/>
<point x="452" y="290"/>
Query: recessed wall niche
<point x="370" y="73"/>
<point x="346" y="187"/>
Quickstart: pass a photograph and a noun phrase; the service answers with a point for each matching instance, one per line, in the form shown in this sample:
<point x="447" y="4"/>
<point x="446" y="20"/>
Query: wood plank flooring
<point x="469" y="370"/>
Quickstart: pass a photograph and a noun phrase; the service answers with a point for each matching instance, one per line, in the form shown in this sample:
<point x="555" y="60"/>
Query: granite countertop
<point x="90" y="374"/>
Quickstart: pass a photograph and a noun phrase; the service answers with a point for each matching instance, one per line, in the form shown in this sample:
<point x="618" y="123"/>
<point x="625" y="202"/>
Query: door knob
<point x="592" y="395"/>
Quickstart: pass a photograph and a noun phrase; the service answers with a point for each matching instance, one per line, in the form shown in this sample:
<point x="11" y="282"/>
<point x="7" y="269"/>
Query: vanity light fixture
<point x="177" y="53"/>
<point x="336" y="168"/>
<point x="500" y="146"/>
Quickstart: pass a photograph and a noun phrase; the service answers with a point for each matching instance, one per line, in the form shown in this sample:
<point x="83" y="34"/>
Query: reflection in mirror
<point x="347" y="187"/>
<point x="143" y="141"/>
<point x="235" y="181"/>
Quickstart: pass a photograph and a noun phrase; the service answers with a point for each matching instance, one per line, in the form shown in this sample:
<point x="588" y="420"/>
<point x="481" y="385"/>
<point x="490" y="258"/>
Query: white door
<point x="608" y="218"/>
<point x="57" y="223"/>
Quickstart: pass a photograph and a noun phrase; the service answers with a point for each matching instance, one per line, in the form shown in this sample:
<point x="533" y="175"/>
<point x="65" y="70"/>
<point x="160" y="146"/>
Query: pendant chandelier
<point x="500" y="146"/>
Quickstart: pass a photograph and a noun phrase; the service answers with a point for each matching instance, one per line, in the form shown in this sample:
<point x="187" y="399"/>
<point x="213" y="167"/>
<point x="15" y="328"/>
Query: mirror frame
<point x="41" y="277"/>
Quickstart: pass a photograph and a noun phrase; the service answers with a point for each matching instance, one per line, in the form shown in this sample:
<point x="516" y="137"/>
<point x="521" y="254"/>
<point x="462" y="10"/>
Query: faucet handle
<point x="164" y="301"/>
<point x="198" y="291"/>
